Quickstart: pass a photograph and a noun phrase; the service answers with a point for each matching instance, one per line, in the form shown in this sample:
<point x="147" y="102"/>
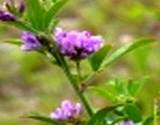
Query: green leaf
<point x="104" y="92"/>
<point x="120" y="87"/>
<point x="52" y="12"/>
<point x="44" y="118"/>
<point x="99" y="117"/>
<point x="22" y="25"/>
<point x="97" y="59"/>
<point x="14" y="41"/>
<point x="133" y="112"/>
<point x="124" y="50"/>
<point x="35" y="13"/>
<point x="148" y="121"/>
<point x="134" y="86"/>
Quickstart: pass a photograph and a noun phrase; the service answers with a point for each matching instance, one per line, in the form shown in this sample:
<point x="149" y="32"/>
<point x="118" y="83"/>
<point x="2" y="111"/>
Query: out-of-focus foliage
<point x="28" y="82"/>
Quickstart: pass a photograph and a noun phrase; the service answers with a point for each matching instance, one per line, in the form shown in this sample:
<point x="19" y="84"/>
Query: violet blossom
<point x="77" y="45"/>
<point x="6" y="16"/>
<point x="66" y="111"/>
<point x="30" y="42"/>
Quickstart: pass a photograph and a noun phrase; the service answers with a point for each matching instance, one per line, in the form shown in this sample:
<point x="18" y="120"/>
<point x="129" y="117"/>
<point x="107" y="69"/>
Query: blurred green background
<point x="28" y="82"/>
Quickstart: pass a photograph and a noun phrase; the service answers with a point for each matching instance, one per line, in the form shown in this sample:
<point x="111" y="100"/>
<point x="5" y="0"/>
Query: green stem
<point x="78" y="92"/>
<point x="78" y="70"/>
<point x="73" y="82"/>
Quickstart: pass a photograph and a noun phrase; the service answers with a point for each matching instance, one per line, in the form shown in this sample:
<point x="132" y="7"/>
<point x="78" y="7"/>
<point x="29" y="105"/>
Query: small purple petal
<point x="57" y="114"/>
<point x="6" y="16"/>
<point x="30" y="42"/>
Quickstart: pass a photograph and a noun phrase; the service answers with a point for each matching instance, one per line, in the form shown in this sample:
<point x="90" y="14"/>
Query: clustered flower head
<point x="77" y="45"/>
<point x="126" y="123"/>
<point x="30" y="42"/>
<point x="67" y="111"/>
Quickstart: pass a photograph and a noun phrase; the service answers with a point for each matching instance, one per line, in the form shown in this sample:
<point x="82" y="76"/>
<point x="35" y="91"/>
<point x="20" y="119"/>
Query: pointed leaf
<point x="134" y="86"/>
<point x="103" y="92"/>
<point x="126" y="49"/>
<point x="14" y="41"/>
<point x="35" y="13"/>
<point x="97" y="59"/>
<point x="52" y="12"/>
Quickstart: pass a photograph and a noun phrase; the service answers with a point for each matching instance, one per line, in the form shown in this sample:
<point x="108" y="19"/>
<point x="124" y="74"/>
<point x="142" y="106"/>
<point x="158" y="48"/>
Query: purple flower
<point x="30" y="42"/>
<point x="126" y="123"/>
<point x="67" y="111"/>
<point x="6" y="16"/>
<point x="77" y="45"/>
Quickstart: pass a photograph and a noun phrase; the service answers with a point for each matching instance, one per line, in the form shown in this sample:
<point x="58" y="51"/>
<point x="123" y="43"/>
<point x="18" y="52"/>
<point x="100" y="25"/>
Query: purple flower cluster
<point x="67" y="111"/>
<point x="6" y="16"/>
<point x="30" y="42"/>
<point x="126" y="123"/>
<point x="77" y="45"/>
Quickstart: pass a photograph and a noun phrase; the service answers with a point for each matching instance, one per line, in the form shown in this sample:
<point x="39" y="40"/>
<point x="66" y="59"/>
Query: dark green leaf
<point x="133" y="112"/>
<point x="99" y="117"/>
<point x="148" y="121"/>
<point x="44" y="118"/>
<point x="97" y="59"/>
<point x="124" y="50"/>
<point x="52" y="12"/>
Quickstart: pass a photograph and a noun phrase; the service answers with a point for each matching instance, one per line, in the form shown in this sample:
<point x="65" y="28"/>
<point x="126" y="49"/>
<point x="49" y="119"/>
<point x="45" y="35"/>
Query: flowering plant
<point x="41" y="34"/>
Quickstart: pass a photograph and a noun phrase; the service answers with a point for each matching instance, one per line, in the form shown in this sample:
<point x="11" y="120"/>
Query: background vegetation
<point x="29" y="83"/>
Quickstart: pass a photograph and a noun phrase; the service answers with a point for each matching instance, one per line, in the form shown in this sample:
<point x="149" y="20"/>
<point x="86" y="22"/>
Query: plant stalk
<point x="70" y="77"/>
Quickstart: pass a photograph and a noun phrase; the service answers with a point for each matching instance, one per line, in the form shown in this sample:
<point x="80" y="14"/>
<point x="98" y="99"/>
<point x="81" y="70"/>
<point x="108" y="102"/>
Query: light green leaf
<point x="120" y="87"/>
<point x="124" y="50"/>
<point x="14" y="41"/>
<point x="97" y="59"/>
<point x="134" y="86"/>
<point x="104" y="92"/>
